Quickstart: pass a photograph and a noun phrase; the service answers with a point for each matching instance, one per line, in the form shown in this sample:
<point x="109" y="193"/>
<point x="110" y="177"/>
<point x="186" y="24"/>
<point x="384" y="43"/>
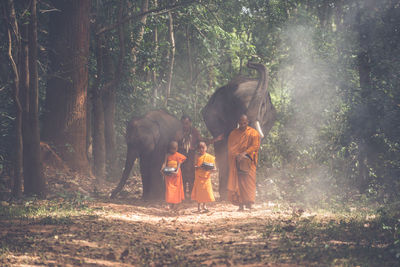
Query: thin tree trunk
<point x="171" y="58"/>
<point x="104" y="105"/>
<point x="66" y="99"/>
<point x="139" y="37"/>
<point x="154" y="71"/>
<point x="34" y="177"/>
<point x="364" y="71"/>
<point x="109" y="99"/>
<point x="99" y="152"/>
<point x="24" y="91"/>
<point x="18" y="165"/>
<point x="189" y="53"/>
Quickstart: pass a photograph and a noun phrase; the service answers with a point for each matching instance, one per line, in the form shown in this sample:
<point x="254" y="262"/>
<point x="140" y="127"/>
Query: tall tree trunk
<point x="189" y="54"/>
<point x="65" y="117"/>
<point x="99" y="152"/>
<point x="154" y="71"/>
<point x="171" y="58"/>
<point x="13" y="55"/>
<point x="34" y="182"/>
<point x="104" y="103"/>
<point x="109" y="99"/>
<point x="364" y="71"/>
<point x="139" y="36"/>
<point x="24" y="90"/>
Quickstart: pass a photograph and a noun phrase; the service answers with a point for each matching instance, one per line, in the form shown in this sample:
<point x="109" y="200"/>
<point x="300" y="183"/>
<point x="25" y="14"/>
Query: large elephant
<point x="241" y="96"/>
<point x="147" y="138"/>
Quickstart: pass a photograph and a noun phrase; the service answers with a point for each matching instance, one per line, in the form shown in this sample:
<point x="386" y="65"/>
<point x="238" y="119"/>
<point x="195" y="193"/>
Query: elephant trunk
<point x="258" y="98"/>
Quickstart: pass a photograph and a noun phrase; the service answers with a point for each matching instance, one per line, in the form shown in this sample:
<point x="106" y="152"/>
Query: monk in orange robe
<point x="243" y="145"/>
<point x="202" y="189"/>
<point x="173" y="180"/>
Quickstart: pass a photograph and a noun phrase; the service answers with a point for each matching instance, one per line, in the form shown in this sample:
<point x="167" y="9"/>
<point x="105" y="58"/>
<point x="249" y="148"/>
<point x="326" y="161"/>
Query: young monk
<point x="202" y="189"/>
<point x="173" y="181"/>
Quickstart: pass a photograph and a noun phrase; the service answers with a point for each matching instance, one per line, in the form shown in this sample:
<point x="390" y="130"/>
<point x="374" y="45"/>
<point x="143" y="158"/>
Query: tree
<point x="14" y="48"/>
<point x="66" y="95"/>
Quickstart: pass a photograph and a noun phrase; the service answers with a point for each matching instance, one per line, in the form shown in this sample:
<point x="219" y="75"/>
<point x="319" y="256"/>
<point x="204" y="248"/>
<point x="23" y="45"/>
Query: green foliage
<point x="58" y="211"/>
<point x="334" y="135"/>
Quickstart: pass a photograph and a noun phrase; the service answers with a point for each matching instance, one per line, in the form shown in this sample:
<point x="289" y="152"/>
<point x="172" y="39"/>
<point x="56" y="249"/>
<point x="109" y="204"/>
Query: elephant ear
<point x="259" y="96"/>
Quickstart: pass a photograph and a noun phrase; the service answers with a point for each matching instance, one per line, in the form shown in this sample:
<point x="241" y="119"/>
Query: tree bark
<point x="65" y="113"/>
<point x="364" y="71"/>
<point x="99" y="152"/>
<point x="139" y="37"/>
<point x="154" y="71"/>
<point x="14" y="49"/>
<point x="171" y="57"/>
<point x="109" y="99"/>
<point x="34" y="182"/>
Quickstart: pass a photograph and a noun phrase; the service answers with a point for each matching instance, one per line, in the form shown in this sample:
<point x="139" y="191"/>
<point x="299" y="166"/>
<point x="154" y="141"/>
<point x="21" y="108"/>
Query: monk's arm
<point x="254" y="145"/>
<point x="177" y="168"/>
<point x="164" y="164"/>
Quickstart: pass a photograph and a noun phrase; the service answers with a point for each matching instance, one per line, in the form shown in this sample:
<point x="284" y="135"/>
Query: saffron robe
<point x="173" y="183"/>
<point x="242" y="186"/>
<point x="202" y="189"/>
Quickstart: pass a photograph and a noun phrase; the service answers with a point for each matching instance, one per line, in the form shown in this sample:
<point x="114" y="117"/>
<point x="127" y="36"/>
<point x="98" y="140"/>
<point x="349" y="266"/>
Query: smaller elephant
<point x="147" y="138"/>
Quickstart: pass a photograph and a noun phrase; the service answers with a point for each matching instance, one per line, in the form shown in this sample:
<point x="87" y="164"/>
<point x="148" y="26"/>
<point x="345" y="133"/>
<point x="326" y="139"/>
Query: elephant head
<point x="240" y="96"/>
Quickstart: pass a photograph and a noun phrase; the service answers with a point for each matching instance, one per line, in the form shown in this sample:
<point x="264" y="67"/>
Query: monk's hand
<point x="218" y="138"/>
<point x="241" y="155"/>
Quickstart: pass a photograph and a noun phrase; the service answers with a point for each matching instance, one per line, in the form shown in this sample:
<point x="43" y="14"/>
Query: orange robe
<point x="173" y="183"/>
<point x="202" y="189"/>
<point x="242" y="187"/>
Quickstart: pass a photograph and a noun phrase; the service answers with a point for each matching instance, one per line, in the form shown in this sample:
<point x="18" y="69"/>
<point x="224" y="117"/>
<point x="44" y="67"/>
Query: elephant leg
<point x="221" y="154"/>
<point x="131" y="156"/>
<point x="156" y="184"/>
<point x="145" y="170"/>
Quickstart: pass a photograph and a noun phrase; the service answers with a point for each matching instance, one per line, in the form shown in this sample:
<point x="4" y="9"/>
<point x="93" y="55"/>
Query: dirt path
<point x="126" y="234"/>
<point x="133" y="233"/>
<point x="70" y="229"/>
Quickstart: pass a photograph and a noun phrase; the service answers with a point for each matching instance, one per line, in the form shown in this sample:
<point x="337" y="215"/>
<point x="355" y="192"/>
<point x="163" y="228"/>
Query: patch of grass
<point x="347" y="237"/>
<point x="56" y="211"/>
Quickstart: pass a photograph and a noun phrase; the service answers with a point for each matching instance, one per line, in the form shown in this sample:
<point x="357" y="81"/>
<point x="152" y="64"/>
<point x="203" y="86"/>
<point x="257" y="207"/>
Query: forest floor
<point x="71" y="228"/>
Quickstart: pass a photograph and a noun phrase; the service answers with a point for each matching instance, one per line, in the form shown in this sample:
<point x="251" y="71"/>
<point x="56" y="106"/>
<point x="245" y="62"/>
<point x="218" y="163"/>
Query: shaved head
<point x="243" y="122"/>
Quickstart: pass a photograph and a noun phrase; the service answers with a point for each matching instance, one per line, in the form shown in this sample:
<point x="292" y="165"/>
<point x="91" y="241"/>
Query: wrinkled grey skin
<point x="241" y="96"/>
<point x="147" y="138"/>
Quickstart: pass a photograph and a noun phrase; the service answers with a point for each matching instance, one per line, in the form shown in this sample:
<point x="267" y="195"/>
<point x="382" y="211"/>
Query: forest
<point x="73" y="73"/>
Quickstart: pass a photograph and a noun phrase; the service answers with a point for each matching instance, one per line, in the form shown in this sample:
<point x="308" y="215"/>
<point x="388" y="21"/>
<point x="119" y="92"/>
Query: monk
<point x="173" y="181"/>
<point x="202" y="191"/>
<point x="243" y="145"/>
<point x="187" y="147"/>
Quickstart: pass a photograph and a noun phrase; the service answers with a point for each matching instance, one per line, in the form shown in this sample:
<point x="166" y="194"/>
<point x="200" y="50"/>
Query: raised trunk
<point x="254" y="108"/>
<point x="65" y="117"/>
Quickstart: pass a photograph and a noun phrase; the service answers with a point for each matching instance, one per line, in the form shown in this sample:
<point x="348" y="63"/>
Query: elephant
<point x="147" y="138"/>
<point x="240" y="96"/>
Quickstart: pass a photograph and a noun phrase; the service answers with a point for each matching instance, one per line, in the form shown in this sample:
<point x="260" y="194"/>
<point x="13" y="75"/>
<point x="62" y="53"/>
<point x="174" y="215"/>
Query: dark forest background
<point x="72" y="73"/>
